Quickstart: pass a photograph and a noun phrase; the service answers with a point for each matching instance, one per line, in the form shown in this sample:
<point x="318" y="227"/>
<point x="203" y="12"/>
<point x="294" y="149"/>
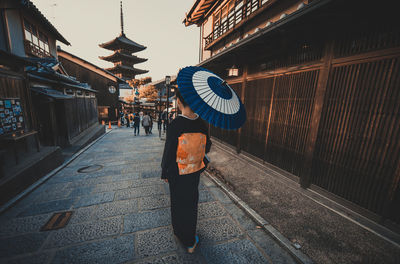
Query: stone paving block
<point x="209" y="210"/>
<point x="17" y="245"/>
<point x="205" y="196"/>
<point x="82" y="214"/>
<point x="47" y="207"/>
<point x="69" y="178"/>
<point x="147" y="182"/>
<point x="270" y="247"/>
<point x="206" y="181"/>
<point x="112" y="186"/>
<point x="139" y="192"/>
<point x="148" y="261"/>
<point x="53" y="192"/>
<point x="240" y="216"/>
<point x="91" y="181"/>
<point x="76" y="233"/>
<point x="31" y="259"/>
<point x="116" y="208"/>
<point x="20" y="225"/>
<point x="220" y="195"/>
<point x="218" y="229"/>
<point x="80" y="191"/>
<point x="154" y="202"/>
<point x="116" y="250"/>
<point x="182" y="259"/>
<point x="146" y="220"/>
<point x="126" y="176"/>
<point x="237" y="252"/>
<point x="151" y="174"/>
<point x="155" y="242"/>
<point x="96" y="198"/>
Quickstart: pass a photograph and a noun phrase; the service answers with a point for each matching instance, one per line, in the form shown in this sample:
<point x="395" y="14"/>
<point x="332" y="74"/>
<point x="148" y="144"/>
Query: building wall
<point x="97" y="82"/>
<point x="3" y="32"/>
<point x="258" y="19"/>
<point x="16" y="32"/>
<point x="326" y="112"/>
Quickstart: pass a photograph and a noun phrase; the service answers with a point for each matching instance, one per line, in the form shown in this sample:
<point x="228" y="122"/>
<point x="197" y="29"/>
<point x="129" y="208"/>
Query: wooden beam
<point x="305" y="178"/>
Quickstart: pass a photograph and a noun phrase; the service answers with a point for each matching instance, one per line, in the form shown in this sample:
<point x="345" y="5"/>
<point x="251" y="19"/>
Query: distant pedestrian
<point x="164" y="120"/>
<point x="159" y="122"/>
<point x="127" y="119"/>
<point x="136" y="124"/>
<point x="183" y="160"/>
<point x="151" y="124"/>
<point x="146" y="123"/>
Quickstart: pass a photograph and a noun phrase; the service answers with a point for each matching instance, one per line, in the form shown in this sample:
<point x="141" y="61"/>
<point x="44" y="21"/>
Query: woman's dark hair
<point x="179" y="95"/>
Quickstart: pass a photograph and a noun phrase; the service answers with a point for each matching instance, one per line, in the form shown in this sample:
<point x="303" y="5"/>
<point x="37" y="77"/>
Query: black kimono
<point x="186" y="144"/>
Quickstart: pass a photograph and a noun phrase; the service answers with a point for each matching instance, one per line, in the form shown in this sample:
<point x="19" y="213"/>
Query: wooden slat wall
<point x="257" y="103"/>
<point x="81" y="113"/>
<point x="290" y="120"/>
<point x="356" y="154"/>
<point x="357" y="150"/>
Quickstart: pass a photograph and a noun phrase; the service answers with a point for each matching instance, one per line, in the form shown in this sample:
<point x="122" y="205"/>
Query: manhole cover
<point x="58" y="220"/>
<point x="90" y="168"/>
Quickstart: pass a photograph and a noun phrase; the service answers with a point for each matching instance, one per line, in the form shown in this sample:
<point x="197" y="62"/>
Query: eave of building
<point x="122" y="42"/>
<point x="126" y="69"/>
<point x="88" y="65"/>
<point x="28" y="7"/>
<point x="118" y="56"/>
<point x="242" y="23"/>
<point x="266" y="31"/>
<point x="199" y="10"/>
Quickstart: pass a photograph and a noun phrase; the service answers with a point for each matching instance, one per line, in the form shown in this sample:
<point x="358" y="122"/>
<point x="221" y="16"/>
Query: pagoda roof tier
<point x="119" y="56"/>
<point x="122" y="42"/>
<point x="126" y="70"/>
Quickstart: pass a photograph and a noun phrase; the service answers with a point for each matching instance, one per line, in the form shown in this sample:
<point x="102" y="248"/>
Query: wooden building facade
<point x="320" y="81"/>
<point x="42" y="108"/>
<point x="104" y="82"/>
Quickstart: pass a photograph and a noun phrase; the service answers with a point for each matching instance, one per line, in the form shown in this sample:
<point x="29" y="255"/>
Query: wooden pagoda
<point x="122" y="57"/>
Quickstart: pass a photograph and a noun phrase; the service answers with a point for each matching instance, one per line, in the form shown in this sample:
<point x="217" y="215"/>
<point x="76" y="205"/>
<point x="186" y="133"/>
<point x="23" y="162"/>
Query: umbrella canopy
<point x="211" y="97"/>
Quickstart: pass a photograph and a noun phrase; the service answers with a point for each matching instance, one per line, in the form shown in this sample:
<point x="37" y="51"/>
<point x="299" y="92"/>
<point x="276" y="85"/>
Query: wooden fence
<point x="334" y="121"/>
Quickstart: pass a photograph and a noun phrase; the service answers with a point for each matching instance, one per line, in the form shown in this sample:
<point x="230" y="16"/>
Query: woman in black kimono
<point x="185" y="147"/>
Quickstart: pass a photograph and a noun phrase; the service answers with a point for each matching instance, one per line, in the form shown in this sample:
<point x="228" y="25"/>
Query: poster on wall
<point x="11" y="116"/>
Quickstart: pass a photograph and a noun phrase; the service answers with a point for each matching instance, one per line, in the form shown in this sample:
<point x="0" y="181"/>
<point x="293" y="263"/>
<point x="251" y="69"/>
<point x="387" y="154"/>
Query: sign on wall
<point x="11" y="116"/>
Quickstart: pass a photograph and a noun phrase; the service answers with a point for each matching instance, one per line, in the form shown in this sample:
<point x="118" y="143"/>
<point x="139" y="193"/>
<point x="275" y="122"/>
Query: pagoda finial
<point x="122" y="21"/>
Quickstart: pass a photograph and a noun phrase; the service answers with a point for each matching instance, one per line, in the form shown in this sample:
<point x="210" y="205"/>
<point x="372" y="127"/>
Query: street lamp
<point x="167" y="83"/>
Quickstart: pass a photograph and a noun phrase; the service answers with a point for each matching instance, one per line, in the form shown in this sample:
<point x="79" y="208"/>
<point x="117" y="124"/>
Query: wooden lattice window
<point x="36" y="42"/>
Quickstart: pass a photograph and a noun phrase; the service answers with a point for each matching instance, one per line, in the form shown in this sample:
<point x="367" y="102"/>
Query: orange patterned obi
<point x="190" y="152"/>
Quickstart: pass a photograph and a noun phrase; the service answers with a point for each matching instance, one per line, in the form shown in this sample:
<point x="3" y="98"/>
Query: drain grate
<point x="90" y="168"/>
<point x="57" y="221"/>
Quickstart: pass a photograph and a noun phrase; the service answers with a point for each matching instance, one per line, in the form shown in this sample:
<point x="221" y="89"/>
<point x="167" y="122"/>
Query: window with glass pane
<point x="231" y="14"/>
<point x="239" y="11"/>
<point x="224" y="17"/>
<point x="264" y="1"/>
<point x="28" y="35"/>
<point x="254" y="5"/>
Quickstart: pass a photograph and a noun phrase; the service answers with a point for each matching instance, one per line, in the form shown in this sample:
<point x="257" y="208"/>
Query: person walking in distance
<point x="151" y="124"/>
<point x="136" y="124"/>
<point x="146" y="123"/>
<point x="186" y="144"/>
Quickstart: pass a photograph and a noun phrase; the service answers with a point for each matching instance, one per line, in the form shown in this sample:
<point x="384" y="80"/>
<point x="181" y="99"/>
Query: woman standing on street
<point x="185" y="147"/>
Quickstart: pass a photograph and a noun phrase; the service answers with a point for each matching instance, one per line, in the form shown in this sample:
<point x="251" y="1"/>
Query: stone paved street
<point x="121" y="214"/>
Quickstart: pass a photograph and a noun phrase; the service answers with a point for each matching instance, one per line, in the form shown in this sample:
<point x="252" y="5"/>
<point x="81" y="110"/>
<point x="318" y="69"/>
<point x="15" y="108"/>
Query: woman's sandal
<point x="191" y="249"/>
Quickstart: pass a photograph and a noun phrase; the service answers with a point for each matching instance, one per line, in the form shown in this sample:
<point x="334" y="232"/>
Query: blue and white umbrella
<point x="211" y="98"/>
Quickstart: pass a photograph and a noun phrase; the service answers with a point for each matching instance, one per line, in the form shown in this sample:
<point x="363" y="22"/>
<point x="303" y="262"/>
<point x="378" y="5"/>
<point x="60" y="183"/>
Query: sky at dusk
<point x="156" y="24"/>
